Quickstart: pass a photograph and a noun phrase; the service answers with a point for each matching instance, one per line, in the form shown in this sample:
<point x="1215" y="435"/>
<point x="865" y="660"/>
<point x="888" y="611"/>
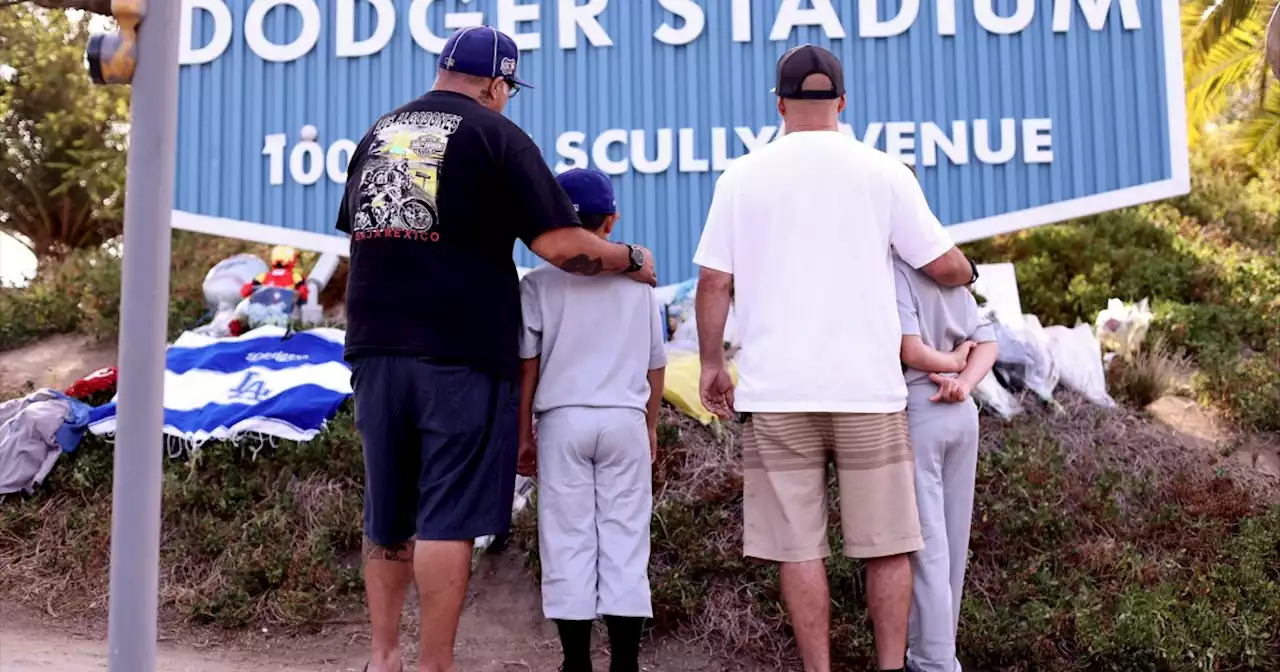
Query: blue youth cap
<point x="590" y="191"/>
<point x="482" y="51"/>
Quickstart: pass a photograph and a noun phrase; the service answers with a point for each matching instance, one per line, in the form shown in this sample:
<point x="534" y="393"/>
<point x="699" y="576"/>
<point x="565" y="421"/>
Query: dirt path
<point x="55" y="362"/>
<point x="502" y="630"/>
<point x="29" y="651"/>
<point x="1185" y="416"/>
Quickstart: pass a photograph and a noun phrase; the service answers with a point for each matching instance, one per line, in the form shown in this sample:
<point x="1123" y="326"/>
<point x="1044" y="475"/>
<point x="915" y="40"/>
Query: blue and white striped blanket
<point x="221" y="388"/>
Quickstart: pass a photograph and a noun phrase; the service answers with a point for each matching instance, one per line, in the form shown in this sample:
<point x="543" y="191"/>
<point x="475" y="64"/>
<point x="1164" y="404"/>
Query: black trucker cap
<point x="802" y="61"/>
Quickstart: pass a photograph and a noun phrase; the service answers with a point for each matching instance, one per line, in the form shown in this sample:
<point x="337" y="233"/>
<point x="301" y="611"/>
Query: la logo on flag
<point x="251" y="388"/>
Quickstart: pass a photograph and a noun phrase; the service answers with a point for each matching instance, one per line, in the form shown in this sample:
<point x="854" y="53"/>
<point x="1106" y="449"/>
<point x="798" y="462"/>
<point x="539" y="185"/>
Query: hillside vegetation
<point x="1102" y="541"/>
<point x="1209" y="262"/>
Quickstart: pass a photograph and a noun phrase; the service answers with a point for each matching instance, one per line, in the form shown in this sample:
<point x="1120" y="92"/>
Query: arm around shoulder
<point x="920" y="239"/>
<point x="952" y="269"/>
<point x="578" y="251"/>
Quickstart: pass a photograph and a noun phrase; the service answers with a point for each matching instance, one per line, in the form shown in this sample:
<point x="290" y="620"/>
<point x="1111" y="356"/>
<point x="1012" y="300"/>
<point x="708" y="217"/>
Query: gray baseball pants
<point x="595" y="500"/>
<point x="945" y="439"/>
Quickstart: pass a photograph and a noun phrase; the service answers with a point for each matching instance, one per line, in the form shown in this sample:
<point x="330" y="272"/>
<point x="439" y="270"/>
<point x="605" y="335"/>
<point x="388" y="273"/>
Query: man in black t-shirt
<point x="437" y="194"/>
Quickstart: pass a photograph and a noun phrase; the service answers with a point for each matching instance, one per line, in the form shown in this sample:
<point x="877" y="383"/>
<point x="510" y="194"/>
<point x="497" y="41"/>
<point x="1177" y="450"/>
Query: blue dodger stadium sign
<point x="1015" y="113"/>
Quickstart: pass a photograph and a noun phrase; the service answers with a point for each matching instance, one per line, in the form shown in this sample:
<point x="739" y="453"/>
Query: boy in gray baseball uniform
<point x="947" y="348"/>
<point x="592" y="374"/>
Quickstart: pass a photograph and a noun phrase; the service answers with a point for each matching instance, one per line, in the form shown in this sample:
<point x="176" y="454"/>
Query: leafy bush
<point x="29" y="314"/>
<point x="62" y="139"/>
<point x="1248" y="387"/>
<point x="1208" y="261"/>
<point x="81" y="291"/>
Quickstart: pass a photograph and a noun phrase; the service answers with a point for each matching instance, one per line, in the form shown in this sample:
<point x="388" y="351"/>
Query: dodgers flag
<point x="257" y="383"/>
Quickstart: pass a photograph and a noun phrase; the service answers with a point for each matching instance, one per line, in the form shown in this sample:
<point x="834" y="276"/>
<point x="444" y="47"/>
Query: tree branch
<point x="102" y="7"/>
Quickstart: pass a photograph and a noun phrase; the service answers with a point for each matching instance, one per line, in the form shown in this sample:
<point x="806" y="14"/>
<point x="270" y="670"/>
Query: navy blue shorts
<point x="440" y="446"/>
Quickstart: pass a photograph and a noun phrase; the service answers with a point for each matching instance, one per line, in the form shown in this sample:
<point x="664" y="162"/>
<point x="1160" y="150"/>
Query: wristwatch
<point x="637" y="258"/>
<point x="973" y="265"/>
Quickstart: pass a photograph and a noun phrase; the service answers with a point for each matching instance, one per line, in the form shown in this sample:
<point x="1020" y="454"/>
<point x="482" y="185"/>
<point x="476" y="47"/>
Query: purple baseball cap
<point x="590" y="190"/>
<point x="483" y="51"/>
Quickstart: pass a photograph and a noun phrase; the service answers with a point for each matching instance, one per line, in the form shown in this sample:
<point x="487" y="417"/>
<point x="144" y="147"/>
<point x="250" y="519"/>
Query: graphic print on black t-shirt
<point x="437" y="193"/>
<point x="401" y="177"/>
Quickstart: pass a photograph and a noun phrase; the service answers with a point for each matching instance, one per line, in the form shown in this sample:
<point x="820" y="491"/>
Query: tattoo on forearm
<point x="583" y="265"/>
<point x="402" y="552"/>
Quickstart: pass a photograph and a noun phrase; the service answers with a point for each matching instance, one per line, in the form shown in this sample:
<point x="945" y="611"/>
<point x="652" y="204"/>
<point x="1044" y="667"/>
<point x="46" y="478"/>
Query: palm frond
<point x="1212" y="20"/>
<point x="1259" y="134"/>
<point x="1232" y="68"/>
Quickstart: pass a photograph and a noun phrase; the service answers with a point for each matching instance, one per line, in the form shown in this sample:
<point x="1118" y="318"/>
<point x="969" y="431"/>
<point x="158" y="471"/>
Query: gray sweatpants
<point x="595" y="499"/>
<point x="945" y="439"/>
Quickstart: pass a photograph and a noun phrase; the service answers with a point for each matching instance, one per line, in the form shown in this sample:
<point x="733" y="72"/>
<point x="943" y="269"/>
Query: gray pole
<point x="144" y="312"/>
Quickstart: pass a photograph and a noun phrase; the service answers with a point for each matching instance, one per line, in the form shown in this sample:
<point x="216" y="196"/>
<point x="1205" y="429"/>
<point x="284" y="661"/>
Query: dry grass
<point x="1097" y="440"/>
<point x="1076" y="511"/>
<point x="266" y="536"/>
<point x="1152" y="373"/>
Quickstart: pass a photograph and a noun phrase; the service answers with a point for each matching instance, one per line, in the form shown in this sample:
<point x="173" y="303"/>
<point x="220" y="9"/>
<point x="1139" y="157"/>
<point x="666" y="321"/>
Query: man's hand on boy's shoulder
<point x="647" y="274"/>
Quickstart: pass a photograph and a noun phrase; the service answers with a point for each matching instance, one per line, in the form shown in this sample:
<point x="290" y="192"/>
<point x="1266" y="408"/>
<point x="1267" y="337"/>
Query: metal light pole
<point x="148" y="43"/>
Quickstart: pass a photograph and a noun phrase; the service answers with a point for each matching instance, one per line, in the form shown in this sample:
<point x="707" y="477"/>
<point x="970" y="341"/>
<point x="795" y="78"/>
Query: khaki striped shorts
<point x="785" y="485"/>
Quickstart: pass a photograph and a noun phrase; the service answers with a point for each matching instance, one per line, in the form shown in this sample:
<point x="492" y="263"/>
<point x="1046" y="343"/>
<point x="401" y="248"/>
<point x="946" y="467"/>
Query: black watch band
<point x="635" y="258"/>
<point x="973" y="266"/>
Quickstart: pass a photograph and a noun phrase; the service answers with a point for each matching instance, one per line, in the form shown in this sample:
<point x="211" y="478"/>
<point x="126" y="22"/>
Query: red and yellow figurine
<point x="282" y="274"/>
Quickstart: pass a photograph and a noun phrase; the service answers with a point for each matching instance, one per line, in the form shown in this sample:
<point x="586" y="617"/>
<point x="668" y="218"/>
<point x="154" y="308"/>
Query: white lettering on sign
<point x="280" y="53"/>
<point x="384" y="28"/>
<point x="511" y="15"/>
<point x="188" y="54"/>
<point x="640" y="153"/>
<point x="575" y="17"/>
<point x="308" y="161"/>
<point x="617" y="151"/>
<point x="1095" y="14"/>
<point x="985" y="11"/>
<point x="422" y="33"/>
<point x="677" y="23"/>
<point x="821" y="14"/>
<point x="690" y="13"/>
<point x="870" y="25"/>
<point x="946" y="17"/>
<point x="741" y="14"/>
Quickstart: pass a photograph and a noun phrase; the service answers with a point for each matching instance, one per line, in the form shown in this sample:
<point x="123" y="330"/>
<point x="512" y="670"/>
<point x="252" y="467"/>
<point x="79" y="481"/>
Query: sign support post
<point x="151" y="50"/>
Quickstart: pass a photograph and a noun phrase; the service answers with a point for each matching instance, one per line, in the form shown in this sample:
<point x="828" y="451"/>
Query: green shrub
<point x="1208" y="262"/>
<point x="1068" y="272"/>
<point x="80" y="292"/>
<point x="1125" y="570"/>
<point x="1231" y="200"/>
<point x="1247" y="387"/>
<point x="27" y="315"/>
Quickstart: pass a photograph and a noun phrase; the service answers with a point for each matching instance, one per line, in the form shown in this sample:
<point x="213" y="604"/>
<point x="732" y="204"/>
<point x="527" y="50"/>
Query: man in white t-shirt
<point x="801" y="233"/>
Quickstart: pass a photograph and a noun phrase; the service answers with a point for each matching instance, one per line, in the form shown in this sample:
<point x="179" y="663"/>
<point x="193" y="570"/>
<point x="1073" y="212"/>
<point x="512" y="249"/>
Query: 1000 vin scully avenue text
<point x="687" y="150"/>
